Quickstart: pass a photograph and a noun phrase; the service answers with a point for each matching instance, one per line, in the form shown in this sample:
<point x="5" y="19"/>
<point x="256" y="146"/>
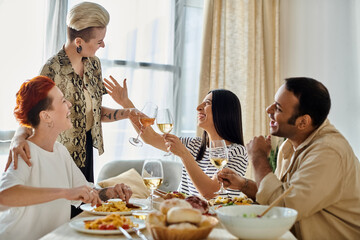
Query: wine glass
<point x="152" y="175"/>
<point x="148" y="118"/>
<point x="218" y="155"/>
<point x="165" y="122"/>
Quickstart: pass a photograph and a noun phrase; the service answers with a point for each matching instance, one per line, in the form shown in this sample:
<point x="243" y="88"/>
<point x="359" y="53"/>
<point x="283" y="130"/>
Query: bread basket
<point x="165" y="233"/>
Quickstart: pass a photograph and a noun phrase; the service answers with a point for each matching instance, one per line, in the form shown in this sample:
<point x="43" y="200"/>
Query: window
<point x="154" y="44"/>
<point x="21" y="42"/>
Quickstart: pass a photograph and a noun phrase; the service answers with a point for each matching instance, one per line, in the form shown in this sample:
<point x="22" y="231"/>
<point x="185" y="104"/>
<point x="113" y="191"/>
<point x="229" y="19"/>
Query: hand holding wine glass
<point x="218" y="155"/>
<point x="152" y="174"/>
<point x="146" y="119"/>
<point x="165" y="123"/>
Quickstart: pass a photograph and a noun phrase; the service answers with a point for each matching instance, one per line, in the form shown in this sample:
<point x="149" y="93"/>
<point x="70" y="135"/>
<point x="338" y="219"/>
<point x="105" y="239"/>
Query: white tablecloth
<point x="66" y="232"/>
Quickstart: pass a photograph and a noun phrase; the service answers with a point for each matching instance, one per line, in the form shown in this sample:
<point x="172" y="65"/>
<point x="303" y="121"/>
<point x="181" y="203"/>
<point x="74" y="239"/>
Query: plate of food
<point x="195" y="201"/>
<point x="220" y="201"/>
<point x="162" y="196"/>
<point x="170" y="194"/>
<point x="106" y="225"/>
<point x="113" y="206"/>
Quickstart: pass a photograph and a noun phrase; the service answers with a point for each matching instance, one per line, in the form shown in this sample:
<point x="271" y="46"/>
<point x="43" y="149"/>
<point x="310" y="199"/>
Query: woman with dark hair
<point x="226" y="110"/>
<point x="220" y="117"/>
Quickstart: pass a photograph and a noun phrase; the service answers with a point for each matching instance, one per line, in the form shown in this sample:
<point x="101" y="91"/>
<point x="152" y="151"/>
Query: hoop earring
<point x="79" y="49"/>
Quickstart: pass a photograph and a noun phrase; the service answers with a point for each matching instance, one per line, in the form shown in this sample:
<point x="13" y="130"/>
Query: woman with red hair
<point x="38" y="198"/>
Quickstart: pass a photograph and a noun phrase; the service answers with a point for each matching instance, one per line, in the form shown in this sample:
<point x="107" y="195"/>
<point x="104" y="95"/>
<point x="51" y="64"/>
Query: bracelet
<point x="245" y="185"/>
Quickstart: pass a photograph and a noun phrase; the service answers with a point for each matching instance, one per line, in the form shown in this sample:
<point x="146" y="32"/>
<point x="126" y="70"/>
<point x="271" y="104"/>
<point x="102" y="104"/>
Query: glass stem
<point x="221" y="187"/>
<point x="221" y="190"/>
<point x="137" y="138"/>
<point x="151" y="198"/>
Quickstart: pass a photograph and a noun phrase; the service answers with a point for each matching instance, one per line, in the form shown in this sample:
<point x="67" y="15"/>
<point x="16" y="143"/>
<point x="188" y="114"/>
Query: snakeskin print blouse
<point x="59" y="69"/>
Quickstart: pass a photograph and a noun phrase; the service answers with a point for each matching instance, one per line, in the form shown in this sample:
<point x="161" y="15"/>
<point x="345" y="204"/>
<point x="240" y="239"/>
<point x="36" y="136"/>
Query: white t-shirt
<point x="238" y="161"/>
<point x="49" y="170"/>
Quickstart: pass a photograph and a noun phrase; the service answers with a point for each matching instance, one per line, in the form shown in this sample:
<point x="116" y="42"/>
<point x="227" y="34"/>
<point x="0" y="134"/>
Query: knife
<point x="137" y="231"/>
<point x="133" y="206"/>
<point x="127" y="235"/>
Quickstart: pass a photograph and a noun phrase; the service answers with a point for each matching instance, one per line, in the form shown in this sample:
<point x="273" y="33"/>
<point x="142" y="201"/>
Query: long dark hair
<point x="226" y="110"/>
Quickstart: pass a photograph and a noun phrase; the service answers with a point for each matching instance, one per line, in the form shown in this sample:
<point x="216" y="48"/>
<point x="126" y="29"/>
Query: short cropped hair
<point x="31" y="99"/>
<point x="314" y="99"/>
<point x="85" y="16"/>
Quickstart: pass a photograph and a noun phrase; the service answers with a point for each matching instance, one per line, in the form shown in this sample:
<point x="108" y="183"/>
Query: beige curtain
<point x="241" y="53"/>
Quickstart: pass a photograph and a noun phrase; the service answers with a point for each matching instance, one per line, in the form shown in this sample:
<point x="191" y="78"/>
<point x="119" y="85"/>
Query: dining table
<point x="66" y="232"/>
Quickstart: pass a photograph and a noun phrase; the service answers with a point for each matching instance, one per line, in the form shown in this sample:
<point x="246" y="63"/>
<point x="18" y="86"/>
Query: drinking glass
<point x="152" y="175"/>
<point x="149" y="110"/>
<point x="165" y="122"/>
<point x="218" y="155"/>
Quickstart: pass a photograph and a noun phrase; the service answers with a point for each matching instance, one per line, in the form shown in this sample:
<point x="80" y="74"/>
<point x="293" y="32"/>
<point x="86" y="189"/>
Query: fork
<point x="139" y="233"/>
<point x="126" y="234"/>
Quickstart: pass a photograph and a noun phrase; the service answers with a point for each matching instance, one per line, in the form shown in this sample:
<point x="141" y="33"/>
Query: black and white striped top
<point x="238" y="161"/>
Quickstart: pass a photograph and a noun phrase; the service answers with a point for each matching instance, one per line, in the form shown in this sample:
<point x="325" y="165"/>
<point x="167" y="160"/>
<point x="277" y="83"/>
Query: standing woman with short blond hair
<point x="77" y="73"/>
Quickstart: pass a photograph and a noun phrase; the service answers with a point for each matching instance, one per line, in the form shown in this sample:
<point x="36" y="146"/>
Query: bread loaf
<point x="156" y="218"/>
<point x="179" y="215"/>
<point x="174" y="202"/>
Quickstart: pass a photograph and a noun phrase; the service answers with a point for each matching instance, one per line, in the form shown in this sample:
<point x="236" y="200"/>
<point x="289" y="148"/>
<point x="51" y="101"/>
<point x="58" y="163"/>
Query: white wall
<point x="320" y="39"/>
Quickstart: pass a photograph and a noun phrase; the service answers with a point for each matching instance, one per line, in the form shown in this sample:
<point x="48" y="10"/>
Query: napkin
<point x="131" y="178"/>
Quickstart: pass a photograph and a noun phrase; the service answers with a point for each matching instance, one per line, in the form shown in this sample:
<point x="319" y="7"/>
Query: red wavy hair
<point x="31" y="99"/>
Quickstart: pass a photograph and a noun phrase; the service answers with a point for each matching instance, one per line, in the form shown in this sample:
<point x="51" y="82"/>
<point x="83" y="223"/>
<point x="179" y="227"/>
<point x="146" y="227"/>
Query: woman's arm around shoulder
<point x="19" y="147"/>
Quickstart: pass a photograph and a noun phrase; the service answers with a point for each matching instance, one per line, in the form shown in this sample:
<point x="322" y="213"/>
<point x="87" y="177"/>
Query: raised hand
<point x="258" y="151"/>
<point x="118" y="93"/>
<point x="259" y="147"/>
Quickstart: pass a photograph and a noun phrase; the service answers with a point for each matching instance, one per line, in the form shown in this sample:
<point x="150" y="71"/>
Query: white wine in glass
<point x="165" y="122"/>
<point x="218" y="155"/>
<point x="165" y="127"/>
<point x="150" y="111"/>
<point x="152" y="175"/>
<point x="152" y="182"/>
<point x="219" y="163"/>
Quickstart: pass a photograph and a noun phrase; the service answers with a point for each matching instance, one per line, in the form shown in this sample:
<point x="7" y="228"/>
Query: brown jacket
<point x="325" y="174"/>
